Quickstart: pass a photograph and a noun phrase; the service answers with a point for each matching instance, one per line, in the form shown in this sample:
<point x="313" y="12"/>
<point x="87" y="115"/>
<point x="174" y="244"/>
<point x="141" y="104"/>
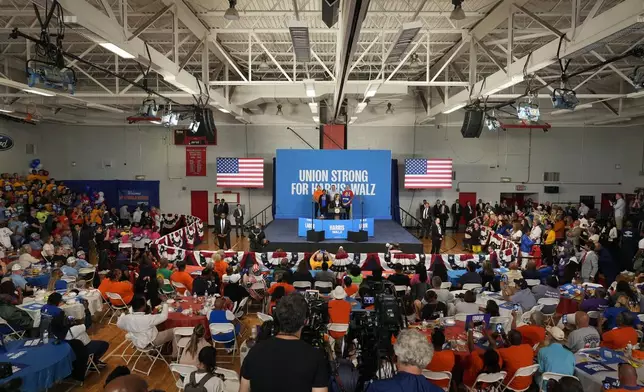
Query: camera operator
<point x="257" y="238"/>
<point x="264" y="367"/>
<point x="413" y="353"/>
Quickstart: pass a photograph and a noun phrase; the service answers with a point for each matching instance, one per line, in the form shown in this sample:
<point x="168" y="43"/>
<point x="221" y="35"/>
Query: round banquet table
<point x="178" y="319"/>
<point x="40" y="366"/>
<point x="76" y="310"/>
<point x="567" y="305"/>
<point x="593" y="382"/>
<point x="38" y="280"/>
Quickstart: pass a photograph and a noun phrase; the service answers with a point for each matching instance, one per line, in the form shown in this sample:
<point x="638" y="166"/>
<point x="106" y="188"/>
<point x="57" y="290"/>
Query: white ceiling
<point x="262" y="32"/>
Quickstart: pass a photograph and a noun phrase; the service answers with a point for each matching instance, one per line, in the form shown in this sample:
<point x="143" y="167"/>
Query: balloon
<point x="33" y="165"/>
<point x="37" y="161"/>
<point x="39" y="167"/>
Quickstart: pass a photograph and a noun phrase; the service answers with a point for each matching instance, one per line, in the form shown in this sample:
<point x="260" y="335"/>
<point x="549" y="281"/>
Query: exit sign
<point x="520" y="188"/>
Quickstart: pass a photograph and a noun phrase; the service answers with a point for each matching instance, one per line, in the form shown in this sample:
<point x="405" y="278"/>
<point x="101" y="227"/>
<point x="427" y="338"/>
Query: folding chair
<point x="163" y="291"/>
<point x="88" y="275"/>
<point x="301" y="285"/>
<point x="258" y="287"/>
<point x="12" y="334"/>
<point x="179" y="287"/>
<point x="231" y="379"/>
<point x="490" y="379"/>
<point x="552" y="376"/>
<point x="263" y="317"/>
<point x="116" y="309"/>
<point x="446" y="285"/>
<point x="223" y="333"/>
<point x="153" y="353"/>
<point x="71" y="281"/>
<point x="238" y="309"/>
<point x="543" y="302"/>
<point x="533" y="282"/>
<point x="182" y="371"/>
<point x="527" y="371"/>
<point x="323" y="287"/>
<point x="91" y="365"/>
<point x="471" y="286"/>
<point x="439" y="376"/>
<point x="182" y="338"/>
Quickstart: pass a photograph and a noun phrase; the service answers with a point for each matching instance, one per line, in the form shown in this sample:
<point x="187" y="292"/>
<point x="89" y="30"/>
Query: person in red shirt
<point x="621" y="336"/>
<point x="515" y="356"/>
<point x="181" y="276"/>
<point x="443" y="360"/>
<point x="478" y="363"/>
<point x="113" y="284"/>
<point x="339" y="313"/>
<point x="349" y="287"/>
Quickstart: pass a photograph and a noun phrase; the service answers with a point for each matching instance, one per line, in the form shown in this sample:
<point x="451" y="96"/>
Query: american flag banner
<point x="240" y="172"/>
<point x="428" y="173"/>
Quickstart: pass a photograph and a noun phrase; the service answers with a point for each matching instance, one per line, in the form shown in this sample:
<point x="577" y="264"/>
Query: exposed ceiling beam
<point x="542" y="22"/>
<point x="150" y="21"/>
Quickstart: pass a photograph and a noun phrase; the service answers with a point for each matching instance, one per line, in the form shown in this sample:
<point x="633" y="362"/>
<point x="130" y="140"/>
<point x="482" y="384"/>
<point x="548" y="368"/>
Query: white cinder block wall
<point x="585" y="157"/>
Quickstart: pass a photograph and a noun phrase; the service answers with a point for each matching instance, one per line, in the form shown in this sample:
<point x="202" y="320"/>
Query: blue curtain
<point x="274" y="187"/>
<point x="395" y="192"/>
<point x="117" y="192"/>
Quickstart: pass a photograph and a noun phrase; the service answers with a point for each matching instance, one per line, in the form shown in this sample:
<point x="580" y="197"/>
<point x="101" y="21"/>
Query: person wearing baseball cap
<point x="554" y="357"/>
<point x="18" y="280"/>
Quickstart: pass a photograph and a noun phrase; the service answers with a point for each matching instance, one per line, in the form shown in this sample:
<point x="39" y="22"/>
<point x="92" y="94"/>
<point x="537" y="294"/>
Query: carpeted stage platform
<point x="282" y="233"/>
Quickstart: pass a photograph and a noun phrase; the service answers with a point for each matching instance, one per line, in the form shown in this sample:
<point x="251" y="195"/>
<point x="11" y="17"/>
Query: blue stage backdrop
<point x="299" y="172"/>
<point x="119" y="192"/>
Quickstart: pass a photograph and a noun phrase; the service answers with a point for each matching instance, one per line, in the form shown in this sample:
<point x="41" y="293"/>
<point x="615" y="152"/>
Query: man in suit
<point x="222" y="208"/>
<point x="238" y="214"/>
<point x="222" y="230"/>
<point x="426" y="219"/>
<point x="468" y="212"/>
<point x="457" y="211"/>
<point x="436" y="210"/>
<point x="421" y="208"/>
<point x="480" y="208"/>
<point x="443" y="214"/>
<point x="437" y="236"/>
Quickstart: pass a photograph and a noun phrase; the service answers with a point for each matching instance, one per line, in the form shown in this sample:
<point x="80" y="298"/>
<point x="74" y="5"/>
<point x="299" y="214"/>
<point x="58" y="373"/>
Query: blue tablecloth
<point x="41" y="366"/>
<point x="38" y="281"/>
<point x="454" y="275"/>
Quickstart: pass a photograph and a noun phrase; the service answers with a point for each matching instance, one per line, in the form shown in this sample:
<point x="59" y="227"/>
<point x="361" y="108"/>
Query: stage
<point x="282" y="234"/>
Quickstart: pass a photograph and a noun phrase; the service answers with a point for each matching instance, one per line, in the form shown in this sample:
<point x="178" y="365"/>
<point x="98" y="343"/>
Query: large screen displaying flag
<point x="428" y="173"/>
<point x="240" y="172"/>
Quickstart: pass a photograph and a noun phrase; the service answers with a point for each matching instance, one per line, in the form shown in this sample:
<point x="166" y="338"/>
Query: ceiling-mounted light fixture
<point x="263" y="64"/>
<point x="231" y="12"/>
<point x="279" y="110"/>
<point x="414" y="62"/>
<point x="390" y="109"/>
<point x="457" y="13"/>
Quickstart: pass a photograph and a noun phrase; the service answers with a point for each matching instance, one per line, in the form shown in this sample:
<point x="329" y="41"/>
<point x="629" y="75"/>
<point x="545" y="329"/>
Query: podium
<point x="337" y="212"/>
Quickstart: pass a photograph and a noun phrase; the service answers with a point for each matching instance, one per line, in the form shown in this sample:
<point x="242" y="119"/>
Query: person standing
<point x="468" y="212"/>
<point x="316" y="200"/>
<point x="436" y="210"/>
<point x="480" y="208"/>
<point x="238" y="214"/>
<point x="309" y="372"/>
<point x="443" y="214"/>
<point x="619" y="208"/>
<point x="426" y="220"/>
<point x="347" y="199"/>
<point x="124" y="215"/>
<point x="324" y="202"/>
<point x="437" y="236"/>
<point x="257" y="238"/>
<point x="222" y="207"/>
<point x="589" y="263"/>
<point x="222" y="230"/>
<point x="457" y="211"/>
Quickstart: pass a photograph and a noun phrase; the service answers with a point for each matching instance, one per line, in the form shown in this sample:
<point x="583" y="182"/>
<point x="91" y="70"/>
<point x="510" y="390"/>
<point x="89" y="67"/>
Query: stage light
<point x="231" y="12"/>
<point x="457" y="13"/>
<point x="279" y="110"/>
<point x="263" y="64"/>
<point x="492" y="123"/>
<point x="390" y="109"/>
<point x="563" y="98"/>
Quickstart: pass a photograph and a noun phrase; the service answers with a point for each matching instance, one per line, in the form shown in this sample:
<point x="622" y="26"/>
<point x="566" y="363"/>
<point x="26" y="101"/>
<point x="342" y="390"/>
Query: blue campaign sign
<point x="476" y="318"/>
<point x="300" y="172"/>
<point x="334" y="229"/>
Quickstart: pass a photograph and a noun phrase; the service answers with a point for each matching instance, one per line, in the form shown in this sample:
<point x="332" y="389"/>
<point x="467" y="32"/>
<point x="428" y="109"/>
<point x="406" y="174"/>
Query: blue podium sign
<point x="334" y="229"/>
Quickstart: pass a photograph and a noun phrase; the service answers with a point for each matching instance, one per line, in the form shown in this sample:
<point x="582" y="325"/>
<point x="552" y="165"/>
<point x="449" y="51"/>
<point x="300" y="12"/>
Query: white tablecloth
<point x="593" y="383"/>
<point x="481" y="301"/>
<point x="75" y="310"/>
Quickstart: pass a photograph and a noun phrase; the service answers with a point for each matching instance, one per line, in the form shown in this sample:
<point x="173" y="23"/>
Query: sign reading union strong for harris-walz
<point x="6" y="143"/>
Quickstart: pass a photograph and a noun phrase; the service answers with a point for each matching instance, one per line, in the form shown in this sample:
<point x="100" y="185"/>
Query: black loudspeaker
<point x="207" y="125"/>
<point x="330" y="12"/>
<point x="550" y="189"/>
<point x="315" y="236"/>
<point x="473" y="123"/>
<point x="357" y="236"/>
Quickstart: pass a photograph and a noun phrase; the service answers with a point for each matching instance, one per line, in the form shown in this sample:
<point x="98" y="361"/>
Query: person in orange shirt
<point x="278" y="293"/>
<point x="627" y="376"/>
<point x="181" y="276"/>
<point x="532" y="334"/>
<point x="515" y="356"/>
<point x="96" y="216"/>
<point x="339" y="311"/>
<point x="443" y="360"/>
<point x="620" y="337"/>
<point x="316" y="199"/>
<point x="113" y="284"/>
<point x="349" y="287"/>
<point x="219" y="265"/>
<point x="286" y="282"/>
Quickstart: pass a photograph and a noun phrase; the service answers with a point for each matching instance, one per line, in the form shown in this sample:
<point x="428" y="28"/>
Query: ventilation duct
<point x="300" y="38"/>
<point x="403" y="39"/>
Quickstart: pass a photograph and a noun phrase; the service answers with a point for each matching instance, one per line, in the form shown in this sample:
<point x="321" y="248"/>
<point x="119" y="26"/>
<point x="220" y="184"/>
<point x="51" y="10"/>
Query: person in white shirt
<point x="141" y="326"/>
<point x="619" y="208"/>
<point x="583" y="209"/>
<point x="206" y="375"/>
<point x="48" y="248"/>
<point x="535" y="233"/>
<point x="5" y="236"/>
<point x="124" y="215"/>
<point x="26" y="259"/>
<point x="136" y="217"/>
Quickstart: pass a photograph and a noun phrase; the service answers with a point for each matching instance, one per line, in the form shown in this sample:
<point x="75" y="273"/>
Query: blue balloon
<point x="37" y="161"/>
<point x="33" y="165"/>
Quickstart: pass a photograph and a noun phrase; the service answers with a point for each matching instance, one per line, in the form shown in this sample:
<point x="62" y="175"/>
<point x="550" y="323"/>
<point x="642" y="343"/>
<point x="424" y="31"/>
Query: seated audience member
<point x="433" y="309"/>
<point x="205" y="375"/>
<point x="443" y="360"/>
<point x="281" y="268"/>
<point x="413" y="354"/>
<point x="479" y="363"/>
<point x="356" y="274"/>
<point x="548" y="290"/>
<point x="419" y="283"/>
<point x="611" y="313"/>
<point x="512" y="274"/>
<point x="26" y="259"/>
<point x="471" y="276"/>
<point x="468" y="305"/>
<point x="530" y="271"/>
<point x="19" y="281"/>
<point x="206" y="283"/>
<point x="113" y="284"/>
<point x="492" y="308"/>
<point x="63" y="329"/>
<point x="584" y="336"/>
<point x="620" y="337"/>
<point x="190" y="355"/>
<point x="9" y="291"/>
<point x="515" y="355"/>
<point x="302" y="273"/>
<point x="488" y="276"/>
<point x="17" y="318"/>
<point x="181" y="276"/>
<point x="69" y="269"/>
<point x="339" y="311"/>
<point x="55" y="281"/>
<point x="628" y="379"/>
<point x="265" y="360"/>
<point x="278" y="293"/>
<point x="235" y="291"/>
<point x="597" y="302"/>
<point x="554" y="357"/>
<point x="443" y="295"/>
<point x="523" y="296"/>
<point x="531" y="334"/>
<point x="286" y="282"/>
<point x="623" y="288"/>
<point x="325" y="276"/>
<point x="142" y="326"/>
<point x="566" y="384"/>
<point x="399" y="278"/>
<point x="220" y="266"/>
<point x="349" y="287"/>
<point x="164" y="273"/>
<point x="438" y="268"/>
<point x="127" y="383"/>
